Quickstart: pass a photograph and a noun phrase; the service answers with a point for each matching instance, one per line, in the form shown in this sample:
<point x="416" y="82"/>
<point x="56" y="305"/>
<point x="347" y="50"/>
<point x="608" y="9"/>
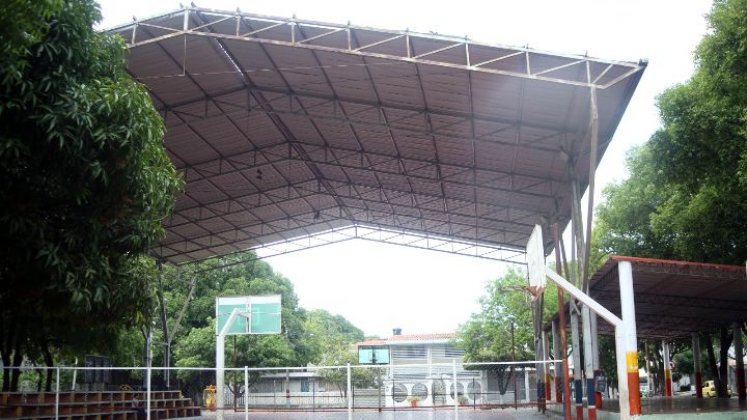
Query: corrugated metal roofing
<point x="675" y="298"/>
<point x="286" y="128"/>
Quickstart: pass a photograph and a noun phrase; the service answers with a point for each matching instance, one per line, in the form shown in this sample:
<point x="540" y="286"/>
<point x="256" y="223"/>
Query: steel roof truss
<point x="212" y="29"/>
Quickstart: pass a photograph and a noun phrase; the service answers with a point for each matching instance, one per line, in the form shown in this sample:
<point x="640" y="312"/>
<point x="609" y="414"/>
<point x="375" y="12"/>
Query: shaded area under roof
<point x="285" y="129"/>
<point x="674" y="299"/>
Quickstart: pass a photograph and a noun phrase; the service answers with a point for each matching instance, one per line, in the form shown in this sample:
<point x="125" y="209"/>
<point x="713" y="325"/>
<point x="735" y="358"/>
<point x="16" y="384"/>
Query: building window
<point x="474" y="390"/>
<point x="408" y="352"/>
<point x="460" y="390"/>
<point x="305" y="385"/>
<point x="420" y="390"/>
<point x="399" y="393"/>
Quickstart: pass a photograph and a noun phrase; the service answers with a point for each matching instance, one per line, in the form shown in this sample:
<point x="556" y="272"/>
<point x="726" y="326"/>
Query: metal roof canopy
<point x="285" y="129"/>
<point x="674" y="299"/>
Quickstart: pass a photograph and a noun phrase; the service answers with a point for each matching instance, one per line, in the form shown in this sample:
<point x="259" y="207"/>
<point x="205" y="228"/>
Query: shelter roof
<point x="674" y="298"/>
<point x="285" y="129"/>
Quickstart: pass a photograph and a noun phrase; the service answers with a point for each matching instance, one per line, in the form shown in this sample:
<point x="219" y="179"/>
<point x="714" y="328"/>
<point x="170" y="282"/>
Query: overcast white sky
<point x="378" y="287"/>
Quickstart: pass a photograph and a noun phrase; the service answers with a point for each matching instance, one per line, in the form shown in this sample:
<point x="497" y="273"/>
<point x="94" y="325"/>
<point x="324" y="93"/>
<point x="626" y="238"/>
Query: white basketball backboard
<point x="536" y="262"/>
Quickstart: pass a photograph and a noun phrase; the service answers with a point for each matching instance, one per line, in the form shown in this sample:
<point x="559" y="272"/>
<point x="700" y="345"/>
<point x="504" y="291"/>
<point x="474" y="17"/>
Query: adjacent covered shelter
<point x="676" y="300"/>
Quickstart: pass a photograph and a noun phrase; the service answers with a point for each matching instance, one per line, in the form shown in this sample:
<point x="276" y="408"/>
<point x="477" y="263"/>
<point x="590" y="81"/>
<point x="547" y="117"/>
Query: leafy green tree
<point x="331" y="339"/>
<point x="487" y="335"/>
<point x="190" y="294"/>
<point x="687" y="194"/>
<point x="701" y="148"/>
<point x="503" y="329"/>
<point x="624" y="224"/>
<point x="86" y="180"/>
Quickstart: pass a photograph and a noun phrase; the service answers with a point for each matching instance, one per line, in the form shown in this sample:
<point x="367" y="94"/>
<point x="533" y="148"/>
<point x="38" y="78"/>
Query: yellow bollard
<point x="208" y="395"/>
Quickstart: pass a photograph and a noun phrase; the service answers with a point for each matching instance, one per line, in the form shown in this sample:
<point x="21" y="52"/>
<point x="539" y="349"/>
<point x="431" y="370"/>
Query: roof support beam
<point x="381" y="235"/>
<point x="359" y="215"/>
<point x="276" y="197"/>
<point x="284" y="95"/>
<point x="287" y="35"/>
<point x="352" y="159"/>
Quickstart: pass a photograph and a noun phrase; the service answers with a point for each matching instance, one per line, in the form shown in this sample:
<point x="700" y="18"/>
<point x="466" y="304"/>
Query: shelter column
<point x="546" y="367"/>
<point x="627" y="303"/>
<point x="526" y="386"/>
<point x="578" y="388"/>
<point x="588" y="364"/>
<point x="739" y="359"/>
<point x="556" y="356"/>
<point x="667" y="369"/>
<point x="696" y="366"/>
<point x="595" y="358"/>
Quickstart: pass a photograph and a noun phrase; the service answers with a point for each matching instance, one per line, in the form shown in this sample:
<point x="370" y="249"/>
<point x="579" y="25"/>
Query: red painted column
<point x="627" y="303"/>
<point x="634" y="394"/>
<point x="696" y="366"/>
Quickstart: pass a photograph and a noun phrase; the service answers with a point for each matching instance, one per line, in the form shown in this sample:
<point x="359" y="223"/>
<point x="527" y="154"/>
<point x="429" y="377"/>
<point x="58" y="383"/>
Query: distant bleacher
<point x="95" y="405"/>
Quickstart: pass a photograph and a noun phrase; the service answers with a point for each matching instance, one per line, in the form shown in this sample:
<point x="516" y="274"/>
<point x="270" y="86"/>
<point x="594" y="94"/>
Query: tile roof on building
<point x="409" y="338"/>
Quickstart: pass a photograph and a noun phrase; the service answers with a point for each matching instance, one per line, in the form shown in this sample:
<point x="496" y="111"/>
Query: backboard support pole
<point x="220" y="363"/>
<point x="625" y="329"/>
<point x="563" y="337"/>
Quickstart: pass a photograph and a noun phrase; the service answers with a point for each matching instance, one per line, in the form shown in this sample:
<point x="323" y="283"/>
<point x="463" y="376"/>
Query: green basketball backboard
<point x="256" y="314"/>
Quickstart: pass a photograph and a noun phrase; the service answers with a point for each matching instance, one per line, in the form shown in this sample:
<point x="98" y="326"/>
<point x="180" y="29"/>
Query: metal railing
<point x="63" y="391"/>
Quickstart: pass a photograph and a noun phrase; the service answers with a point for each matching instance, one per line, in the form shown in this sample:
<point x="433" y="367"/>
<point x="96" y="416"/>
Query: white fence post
<point x="246" y="392"/>
<point x="350" y="394"/>
<point x="456" y="389"/>
<point x="57" y="396"/>
<point x="147" y="398"/>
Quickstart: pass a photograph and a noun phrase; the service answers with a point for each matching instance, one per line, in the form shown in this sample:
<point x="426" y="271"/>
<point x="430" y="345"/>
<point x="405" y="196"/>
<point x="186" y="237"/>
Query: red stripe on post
<point x="634" y="394"/>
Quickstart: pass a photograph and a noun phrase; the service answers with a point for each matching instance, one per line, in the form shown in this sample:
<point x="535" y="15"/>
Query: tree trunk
<point x="164" y="327"/>
<point x="17" y="359"/>
<point x="50" y="364"/>
<point x="8" y="328"/>
<point x="39" y="380"/>
<point x="723" y="370"/>
<point x="711" y="356"/>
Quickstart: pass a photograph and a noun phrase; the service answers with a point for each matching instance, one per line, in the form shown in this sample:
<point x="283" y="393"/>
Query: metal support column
<point x="626" y="293"/>
<point x="556" y="356"/>
<point x="220" y="363"/>
<point x="566" y="396"/>
<point x="578" y="390"/>
<point x="622" y="371"/>
<point x="546" y="367"/>
<point x="737" y="327"/>
<point x="595" y="359"/>
<point x="630" y="341"/>
<point x="667" y="369"/>
<point x="588" y="364"/>
<point x="246" y="392"/>
<point x="350" y="393"/>
<point x="526" y="386"/>
<point x="696" y="366"/>
<point x="57" y="395"/>
<point x="454" y="383"/>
